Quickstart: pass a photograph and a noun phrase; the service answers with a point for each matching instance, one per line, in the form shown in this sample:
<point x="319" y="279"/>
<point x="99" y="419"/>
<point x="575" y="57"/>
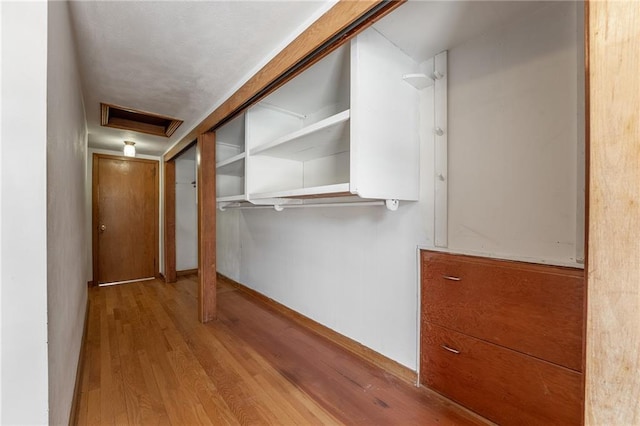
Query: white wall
<point x="23" y="279"/>
<point x="228" y="256"/>
<point x="186" y="215"/>
<point x="512" y="171"/>
<point x="1" y="116"/>
<point x="353" y="269"/>
<point x="67" y="268"/>
<point x="88" y="183"/>
<point x="513" y="138"/>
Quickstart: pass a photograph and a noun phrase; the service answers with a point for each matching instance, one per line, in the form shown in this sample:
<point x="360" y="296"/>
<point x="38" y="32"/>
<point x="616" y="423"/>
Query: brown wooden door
<point x="125" y="218"/>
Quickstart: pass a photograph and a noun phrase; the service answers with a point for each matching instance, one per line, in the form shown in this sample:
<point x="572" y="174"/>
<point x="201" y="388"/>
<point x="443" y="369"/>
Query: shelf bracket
<point x="419" y="80"/>
<point x="223" y="206"/>
<point x="392" y="205"/>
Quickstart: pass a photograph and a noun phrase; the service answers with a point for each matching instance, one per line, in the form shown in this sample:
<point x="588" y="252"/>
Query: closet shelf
<point x="335" y="190"/>
<point x="231" y="198"/>
<point x="327" y="137"/>
<point x="233" y="166"/>
<point x="230" y="160"/>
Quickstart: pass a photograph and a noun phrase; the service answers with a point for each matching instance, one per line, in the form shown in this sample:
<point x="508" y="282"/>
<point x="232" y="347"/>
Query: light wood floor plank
<point x="148" y="360"/>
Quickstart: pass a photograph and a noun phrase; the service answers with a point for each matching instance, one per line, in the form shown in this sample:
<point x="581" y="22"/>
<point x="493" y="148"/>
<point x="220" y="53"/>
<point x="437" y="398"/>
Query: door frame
<point x="205" y="145"/>
<point x="94" y="211"/>
<point x="613" y="213"/>
<point x="170" y="275"/>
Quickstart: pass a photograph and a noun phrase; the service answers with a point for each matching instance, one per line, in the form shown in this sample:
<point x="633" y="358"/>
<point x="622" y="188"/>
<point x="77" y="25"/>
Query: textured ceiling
<point x="179" y="59"/>
<point x="183" y="58"/>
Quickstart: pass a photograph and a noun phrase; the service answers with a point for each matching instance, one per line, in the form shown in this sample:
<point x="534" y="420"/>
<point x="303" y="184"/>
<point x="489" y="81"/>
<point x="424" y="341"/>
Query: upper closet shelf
<point x="233" y="166"/>
<point x="327" y="137"/>
<point x="230" y="160"/>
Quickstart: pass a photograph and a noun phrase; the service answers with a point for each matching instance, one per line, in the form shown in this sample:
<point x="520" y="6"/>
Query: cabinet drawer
<point x="535" y="309"/>
<point x="505" y="386"/>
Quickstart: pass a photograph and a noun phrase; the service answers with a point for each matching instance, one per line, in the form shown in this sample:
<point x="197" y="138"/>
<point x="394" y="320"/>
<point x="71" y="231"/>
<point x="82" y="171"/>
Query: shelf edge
<point x="313" y="128"/>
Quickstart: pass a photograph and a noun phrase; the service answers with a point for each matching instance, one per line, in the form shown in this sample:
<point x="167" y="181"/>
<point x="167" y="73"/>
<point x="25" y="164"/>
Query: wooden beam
<point x="613" y="266"/>
<point x="206" y="160"/>
<point x="170" y="221"/>
<point x="333" y="22"/>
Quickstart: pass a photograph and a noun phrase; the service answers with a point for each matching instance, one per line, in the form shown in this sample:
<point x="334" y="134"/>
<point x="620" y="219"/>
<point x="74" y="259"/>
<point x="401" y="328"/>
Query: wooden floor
<point x="149" y="361"/>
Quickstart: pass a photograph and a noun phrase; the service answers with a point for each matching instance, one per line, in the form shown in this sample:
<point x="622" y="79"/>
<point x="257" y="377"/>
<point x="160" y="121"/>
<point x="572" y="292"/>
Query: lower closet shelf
<point x="335" y="190"/>
<point x="231" y="198"/>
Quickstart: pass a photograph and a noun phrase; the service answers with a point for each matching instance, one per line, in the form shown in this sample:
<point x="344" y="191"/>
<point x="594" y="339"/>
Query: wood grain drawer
<point x="505" y="386"/>
<point x="534" y="309"/>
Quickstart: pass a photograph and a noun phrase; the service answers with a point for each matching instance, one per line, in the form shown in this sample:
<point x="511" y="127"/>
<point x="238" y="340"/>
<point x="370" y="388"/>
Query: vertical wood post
<point x="206" y="165"/>
<point x="613" y="266"/>
<point x="170" y="221"/>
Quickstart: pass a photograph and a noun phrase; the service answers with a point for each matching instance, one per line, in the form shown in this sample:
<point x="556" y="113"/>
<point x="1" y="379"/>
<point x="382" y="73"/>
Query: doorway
<point x="125" y="219"/>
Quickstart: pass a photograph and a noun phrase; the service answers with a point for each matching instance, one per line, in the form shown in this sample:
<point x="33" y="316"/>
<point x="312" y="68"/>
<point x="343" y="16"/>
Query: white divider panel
<point x="427" y="153"/>
<point x="441" y="131"/>
<point x="384" y="120"/>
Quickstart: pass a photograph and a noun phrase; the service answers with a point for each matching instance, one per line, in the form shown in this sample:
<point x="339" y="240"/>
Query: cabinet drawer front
<point x="505" y="386"/>
<point x="535" y="309"/>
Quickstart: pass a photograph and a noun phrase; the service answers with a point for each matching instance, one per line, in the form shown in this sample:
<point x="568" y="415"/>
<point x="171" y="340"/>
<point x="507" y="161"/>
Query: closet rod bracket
<point x="392" y="205"/>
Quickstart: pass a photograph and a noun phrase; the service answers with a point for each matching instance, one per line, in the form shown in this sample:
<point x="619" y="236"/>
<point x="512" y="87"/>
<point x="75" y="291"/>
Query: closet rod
<point x="280" y="207"/>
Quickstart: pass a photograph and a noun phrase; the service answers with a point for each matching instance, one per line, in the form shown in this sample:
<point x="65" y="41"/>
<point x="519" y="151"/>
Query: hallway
<point x="149" y="361"/>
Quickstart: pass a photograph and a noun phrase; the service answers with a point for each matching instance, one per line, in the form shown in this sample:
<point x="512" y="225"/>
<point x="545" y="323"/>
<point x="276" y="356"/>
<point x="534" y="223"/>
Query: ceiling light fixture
<point x="129" y="149"/>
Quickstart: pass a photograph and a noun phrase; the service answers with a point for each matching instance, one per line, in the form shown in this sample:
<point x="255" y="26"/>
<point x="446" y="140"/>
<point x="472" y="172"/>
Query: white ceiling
<point x="424" y="28"/>
<point x="175" y="58"/>
<point x="183" y="58"/>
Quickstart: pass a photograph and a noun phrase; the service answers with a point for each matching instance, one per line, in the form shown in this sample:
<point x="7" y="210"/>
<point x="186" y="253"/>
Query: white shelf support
<point x="223" y="206"/>
<point x="441" y="149"/>
<point x="419" y="81"/>
<point x="392" y="205"/>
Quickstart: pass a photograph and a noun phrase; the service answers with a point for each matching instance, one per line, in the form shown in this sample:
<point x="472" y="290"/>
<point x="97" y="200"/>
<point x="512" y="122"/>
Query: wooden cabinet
<point x="501" y="384"/>
<point x="346" y="126"/>
<point x="503" y="338"/>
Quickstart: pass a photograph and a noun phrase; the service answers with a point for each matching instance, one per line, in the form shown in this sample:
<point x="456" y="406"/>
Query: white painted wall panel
<point x="23" y="343"/>
<point x="513" y="124"/>
<point x="353" y="269"/>
<point x="186" y="216"/>
<point x="228" y="256"/>
<point x="67" y="268"/>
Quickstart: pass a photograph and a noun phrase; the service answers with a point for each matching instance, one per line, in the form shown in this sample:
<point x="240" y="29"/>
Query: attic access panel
<point x="137" y="121"/>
